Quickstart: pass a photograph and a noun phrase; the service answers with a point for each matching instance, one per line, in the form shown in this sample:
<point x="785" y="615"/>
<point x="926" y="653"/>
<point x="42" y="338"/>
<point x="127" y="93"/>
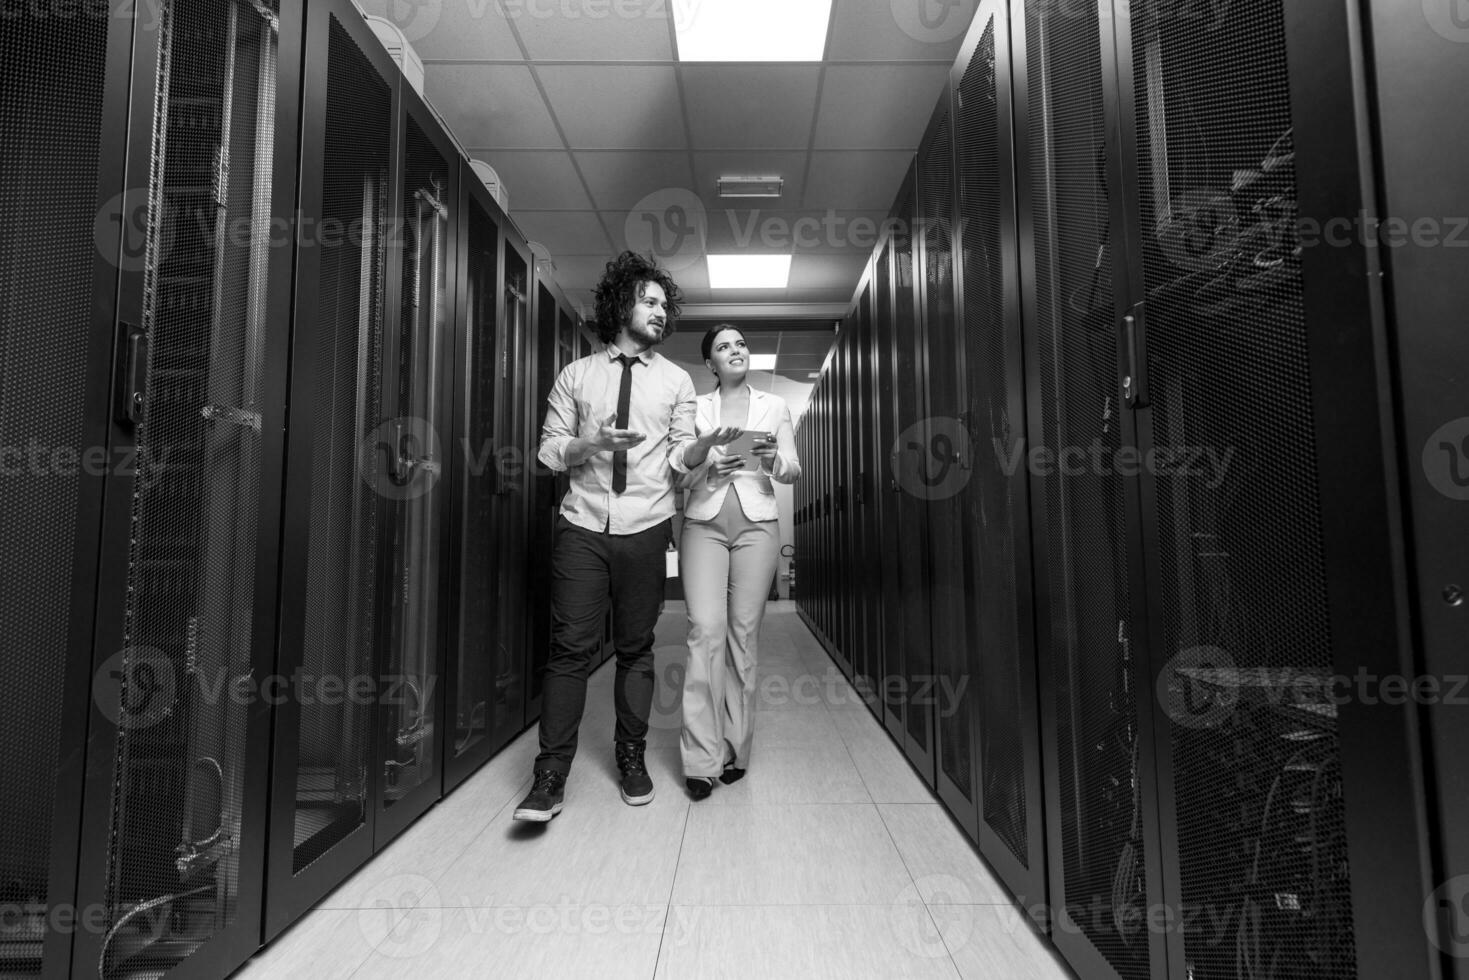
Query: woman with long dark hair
<point x="728" y="555"/>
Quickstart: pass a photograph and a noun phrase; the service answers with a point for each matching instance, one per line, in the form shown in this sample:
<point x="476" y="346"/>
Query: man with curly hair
<point x="612" y="421"/>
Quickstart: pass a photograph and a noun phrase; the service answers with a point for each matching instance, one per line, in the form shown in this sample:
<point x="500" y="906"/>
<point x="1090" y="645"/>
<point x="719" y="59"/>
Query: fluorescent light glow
<point x="749" y="271"/>
<point x="762" y="362"/>
<point x="814" y="374"/>
<point x="751" y="30"/>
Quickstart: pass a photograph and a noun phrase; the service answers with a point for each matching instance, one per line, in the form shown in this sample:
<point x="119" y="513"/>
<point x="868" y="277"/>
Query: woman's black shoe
<point x="699" y="786"/>
<point x="731" y="774"/>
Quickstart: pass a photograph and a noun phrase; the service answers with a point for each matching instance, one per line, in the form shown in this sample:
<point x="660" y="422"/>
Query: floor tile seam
<point x="672" y="886"/>
<point x="521" y="787"/>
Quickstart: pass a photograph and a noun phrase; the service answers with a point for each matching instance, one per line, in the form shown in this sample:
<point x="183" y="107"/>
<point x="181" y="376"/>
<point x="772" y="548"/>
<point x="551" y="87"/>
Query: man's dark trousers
<point x="587" y="568"/>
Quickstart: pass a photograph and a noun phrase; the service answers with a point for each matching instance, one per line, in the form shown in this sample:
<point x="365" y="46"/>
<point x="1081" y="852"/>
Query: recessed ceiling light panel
<point x="749" y="271"/>
<point x="762" y="362"/>
<point x="751" y="30"/>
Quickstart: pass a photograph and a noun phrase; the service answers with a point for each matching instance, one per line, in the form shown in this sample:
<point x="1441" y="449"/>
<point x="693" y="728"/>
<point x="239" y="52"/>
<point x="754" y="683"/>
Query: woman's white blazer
<point x="768" y="413"/>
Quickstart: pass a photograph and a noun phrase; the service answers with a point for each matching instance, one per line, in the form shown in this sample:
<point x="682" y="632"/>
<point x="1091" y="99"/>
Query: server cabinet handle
<point x="132" y="367"/>
<point x="1135" y="382"/>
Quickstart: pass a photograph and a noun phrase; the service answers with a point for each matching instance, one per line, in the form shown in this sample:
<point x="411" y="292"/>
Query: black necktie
<point x="624" y="401"/>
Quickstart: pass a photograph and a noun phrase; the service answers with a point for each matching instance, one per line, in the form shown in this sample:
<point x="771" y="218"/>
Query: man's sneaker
<point x="637" y="785"/>
<point x="545" y="798"/>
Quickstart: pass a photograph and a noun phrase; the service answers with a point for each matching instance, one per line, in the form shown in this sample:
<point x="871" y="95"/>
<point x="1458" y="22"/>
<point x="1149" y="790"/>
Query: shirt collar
<point x="613" y="353"/>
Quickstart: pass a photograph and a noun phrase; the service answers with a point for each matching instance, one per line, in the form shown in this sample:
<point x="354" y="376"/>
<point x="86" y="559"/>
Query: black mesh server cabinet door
<point x="486" y="691"/>
<point x="886" y="488"/>
<point x="1264" y="524"/>
<point x="173" y="846"/>
<point x="515" y="430"/>
<point x="907" y="463"/>
<point x="552" y="348"/>
<point x="66" y="226"/>
<point x="408" y="465"/>
<point x="1101" y="827"/>
<point x="945" y="471"/>
<point x="870" y="562"/>
<point x="845" y="638"/>
<point x="339" y="491"/>
<point x="1001" y="661"/>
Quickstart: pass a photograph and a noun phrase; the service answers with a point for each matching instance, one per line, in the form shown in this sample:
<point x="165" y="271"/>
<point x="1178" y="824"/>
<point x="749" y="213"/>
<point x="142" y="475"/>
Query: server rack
<point x="59" y="328"/>
<point x="943" y="469"/>
<point x="844" y="637"/>
<point x="887" y="487"/>
<point x="995" y="500"/>
<point x="485" y="683"/>
<point x="173" y="833"/>
<point x="138" y="361"/>
<point x="424" y="264"/>
<point x="1132" y="282"/>
<point x="1417" y="173"/>
<point x="324" y="790"/>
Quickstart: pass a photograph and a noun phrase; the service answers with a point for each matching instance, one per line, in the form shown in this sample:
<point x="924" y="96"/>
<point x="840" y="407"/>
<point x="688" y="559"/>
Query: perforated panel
<point x="344" y="403"/>
<point x="1083" y="625"/>
<point x="1241" y="575"/>
<point x="512" y="435"/>
<point x="993" y="361"/>
<point x="488" y="689"/>
<point x="949" y="584"/>
<point x="179" y="773"/>
<point x="53" y="77"/>
<point x="915" y="655"/>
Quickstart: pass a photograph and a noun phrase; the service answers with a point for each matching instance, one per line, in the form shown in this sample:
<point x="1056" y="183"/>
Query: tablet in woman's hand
<point x="744" y="446"/>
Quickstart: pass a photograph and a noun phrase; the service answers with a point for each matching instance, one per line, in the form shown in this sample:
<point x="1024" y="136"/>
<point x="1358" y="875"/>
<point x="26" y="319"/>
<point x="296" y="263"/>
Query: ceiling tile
<point x="866" y="180"/>
<point x="593" y="30"/>
<point x="465" y="29"/>
<point x="491" y="105"/>
<point x="736" y="106"/>
<point x="900" y="30"/>
<point x="877" y="106"/>
<point x="623" y="181"/>
<point x="580" y="272"/>
<point x="709" y="167"/>
<point x="568" y="232"/>
<point x="616" y="106"/>
<point x="537" y="179"/>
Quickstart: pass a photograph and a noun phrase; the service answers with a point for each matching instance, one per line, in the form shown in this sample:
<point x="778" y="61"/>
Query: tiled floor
<point x="830" y="859"/>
